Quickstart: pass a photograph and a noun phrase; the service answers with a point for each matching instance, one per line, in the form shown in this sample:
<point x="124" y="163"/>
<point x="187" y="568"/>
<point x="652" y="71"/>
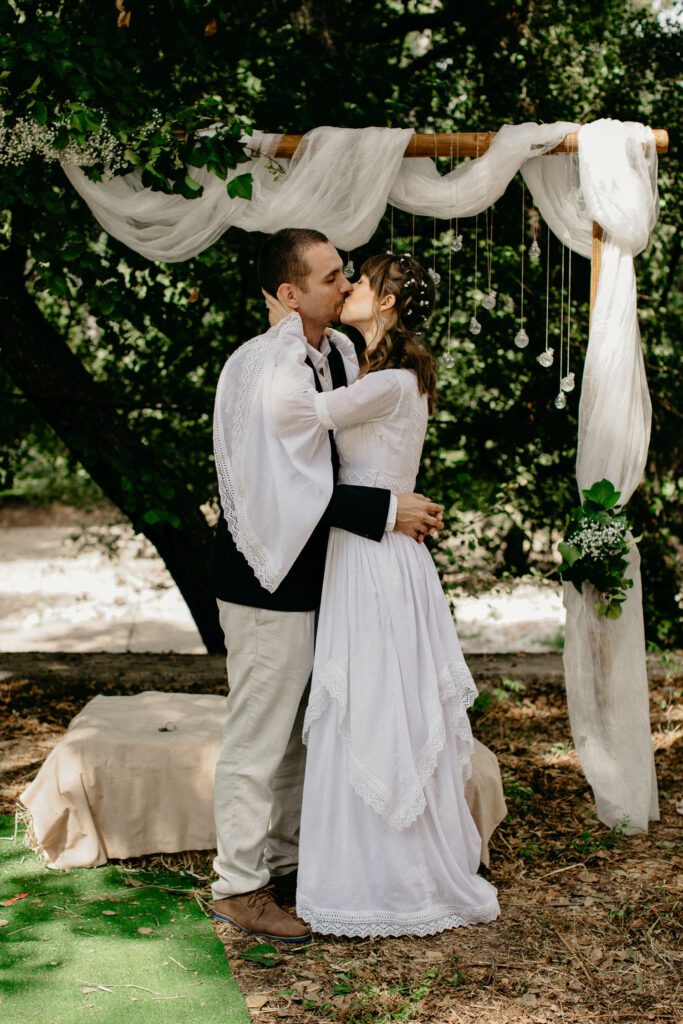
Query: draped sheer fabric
<point x="340" y="181"/>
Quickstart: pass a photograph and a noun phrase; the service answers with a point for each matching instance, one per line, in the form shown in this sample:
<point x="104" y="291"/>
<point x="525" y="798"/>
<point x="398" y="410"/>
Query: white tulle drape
<point x="340" y="181"/>
<point x="615" y="185"/>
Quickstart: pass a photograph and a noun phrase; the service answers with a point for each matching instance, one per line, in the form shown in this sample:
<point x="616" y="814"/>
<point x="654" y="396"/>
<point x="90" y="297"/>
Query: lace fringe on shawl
<point x="362" y="924"/>
<point x="232" y="496"/>
<point x="457" y="693"/>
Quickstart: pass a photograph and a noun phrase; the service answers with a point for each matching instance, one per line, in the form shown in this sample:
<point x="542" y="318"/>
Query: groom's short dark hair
<point x="283" y="258"/>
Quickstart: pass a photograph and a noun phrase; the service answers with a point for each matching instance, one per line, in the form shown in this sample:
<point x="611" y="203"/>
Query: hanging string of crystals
<point x="475" y="326"/>
<point x="349" y="268"/>
<point x="489" y="300"/>
<point x="568" y="382"/>
<point x="534" y="248"/>
<point x="561" y="399"/>
<point x="433" y="273"/>
<point x="456" y="240"/>
<point x="547" y="355"/>
<point x="521" y="337"/>
<point x="448" y="359"/>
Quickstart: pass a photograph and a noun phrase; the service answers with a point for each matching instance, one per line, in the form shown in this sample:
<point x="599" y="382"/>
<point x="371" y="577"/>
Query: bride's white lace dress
<point x="388" y="845"/>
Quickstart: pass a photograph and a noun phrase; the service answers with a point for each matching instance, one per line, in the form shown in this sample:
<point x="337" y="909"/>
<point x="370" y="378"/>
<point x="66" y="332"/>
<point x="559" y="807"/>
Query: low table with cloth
<point x="133" y="776"/>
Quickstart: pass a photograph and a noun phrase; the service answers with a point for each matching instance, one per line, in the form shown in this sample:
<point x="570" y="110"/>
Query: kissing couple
<point x="321" y="575"/>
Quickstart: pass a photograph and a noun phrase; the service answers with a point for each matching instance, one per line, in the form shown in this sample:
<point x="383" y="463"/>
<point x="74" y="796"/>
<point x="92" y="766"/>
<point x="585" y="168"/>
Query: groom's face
<point x="326" y="286"/>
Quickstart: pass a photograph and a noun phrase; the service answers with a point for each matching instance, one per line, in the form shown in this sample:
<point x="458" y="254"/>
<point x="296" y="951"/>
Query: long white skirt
<point x="388" y="845"/>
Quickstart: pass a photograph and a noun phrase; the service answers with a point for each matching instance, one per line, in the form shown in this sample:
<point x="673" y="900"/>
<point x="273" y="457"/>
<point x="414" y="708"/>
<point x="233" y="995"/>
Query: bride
<point x="388" y="845"/>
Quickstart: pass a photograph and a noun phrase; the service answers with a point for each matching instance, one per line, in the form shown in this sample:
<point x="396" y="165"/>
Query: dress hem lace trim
<point x="365" y="923"/>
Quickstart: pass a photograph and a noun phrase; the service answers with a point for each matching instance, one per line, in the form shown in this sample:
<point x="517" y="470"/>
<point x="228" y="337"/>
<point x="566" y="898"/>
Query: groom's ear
<point x="286" y="294"/>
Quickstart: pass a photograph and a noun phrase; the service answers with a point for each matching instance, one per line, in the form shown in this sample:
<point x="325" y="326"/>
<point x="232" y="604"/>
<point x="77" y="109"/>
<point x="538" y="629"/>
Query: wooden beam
<point x="463" y="144"/>
<point x="596" y="260"/>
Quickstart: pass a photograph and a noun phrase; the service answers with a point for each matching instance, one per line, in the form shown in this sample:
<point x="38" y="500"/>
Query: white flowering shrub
<point x="596" y="546"/>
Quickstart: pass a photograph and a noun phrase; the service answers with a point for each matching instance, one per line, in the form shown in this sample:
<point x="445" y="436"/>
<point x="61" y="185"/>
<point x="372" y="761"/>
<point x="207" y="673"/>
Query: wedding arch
<point x="602" y="205"/>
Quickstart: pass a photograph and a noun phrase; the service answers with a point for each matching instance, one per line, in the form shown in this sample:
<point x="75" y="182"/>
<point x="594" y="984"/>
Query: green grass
<point x="72" y="950"/>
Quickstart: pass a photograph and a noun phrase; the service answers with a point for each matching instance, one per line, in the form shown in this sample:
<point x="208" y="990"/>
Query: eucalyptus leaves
<point x="596" y="547"/>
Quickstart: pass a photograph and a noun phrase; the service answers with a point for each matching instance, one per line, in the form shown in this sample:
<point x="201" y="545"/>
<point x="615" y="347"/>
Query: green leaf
<point x="192" y="185"/>
<point x="603" y="493"/>
<point x="152" y="516"/>
<point x="241" y="187"/>
<point x="569" y="552"/>
<point x="264" y="955"/>
<point x="38" y="111"/>
<point x="613" y="611"/>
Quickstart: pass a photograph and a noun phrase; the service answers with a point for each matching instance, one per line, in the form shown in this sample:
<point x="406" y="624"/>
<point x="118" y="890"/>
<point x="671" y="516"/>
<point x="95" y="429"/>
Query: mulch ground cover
<point x="590" y="925"/>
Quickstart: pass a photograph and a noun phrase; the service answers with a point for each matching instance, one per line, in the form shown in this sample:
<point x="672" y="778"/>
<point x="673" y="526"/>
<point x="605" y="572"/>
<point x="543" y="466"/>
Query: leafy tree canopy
<point x="120" y="357"/>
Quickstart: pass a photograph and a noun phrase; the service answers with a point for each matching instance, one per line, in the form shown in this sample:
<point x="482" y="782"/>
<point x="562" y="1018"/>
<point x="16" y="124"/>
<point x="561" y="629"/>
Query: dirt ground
<point x="590" y="925"/>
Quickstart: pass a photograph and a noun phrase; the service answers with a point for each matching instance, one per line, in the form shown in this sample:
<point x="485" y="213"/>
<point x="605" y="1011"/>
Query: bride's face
<point x="360" y="308"/>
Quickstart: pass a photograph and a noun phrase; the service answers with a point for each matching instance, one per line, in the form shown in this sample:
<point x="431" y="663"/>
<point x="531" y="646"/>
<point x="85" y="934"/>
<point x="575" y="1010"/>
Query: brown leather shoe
<point x="257" y="913"/>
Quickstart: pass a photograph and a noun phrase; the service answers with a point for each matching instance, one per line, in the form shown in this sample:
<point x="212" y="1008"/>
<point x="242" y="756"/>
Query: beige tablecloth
<point x="134" y="776"/>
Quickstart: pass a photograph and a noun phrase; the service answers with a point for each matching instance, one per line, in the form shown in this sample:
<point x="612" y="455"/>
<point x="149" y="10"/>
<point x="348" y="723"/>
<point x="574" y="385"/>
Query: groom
<point x="269" y="636"/>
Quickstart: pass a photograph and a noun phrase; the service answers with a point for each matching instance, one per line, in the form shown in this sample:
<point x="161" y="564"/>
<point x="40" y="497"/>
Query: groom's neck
<point x="314" y="331"/>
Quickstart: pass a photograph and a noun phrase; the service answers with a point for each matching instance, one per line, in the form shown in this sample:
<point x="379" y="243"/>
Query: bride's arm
<point x="295" y="403"/>
<point x="370" y="398"/>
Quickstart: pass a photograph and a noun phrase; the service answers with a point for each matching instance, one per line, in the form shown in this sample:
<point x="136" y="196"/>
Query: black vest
<point x="233" y="578"/>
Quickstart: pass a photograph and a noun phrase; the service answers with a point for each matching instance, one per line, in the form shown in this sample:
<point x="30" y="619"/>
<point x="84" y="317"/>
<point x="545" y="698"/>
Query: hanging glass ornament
<point x="521" y="338"/>
<point x="489" y="300"/>
<point x="534" y="251"/>
<point x="448" y="360"/>
<point x="568" y="383"/>
<point x="349" y="269"/>
<point x="475" y="326"/>
<point x="436" y="277"/>
<point x="546" y="358"/>
<point x="456" y="244"/>
<point x="561" y="401"/>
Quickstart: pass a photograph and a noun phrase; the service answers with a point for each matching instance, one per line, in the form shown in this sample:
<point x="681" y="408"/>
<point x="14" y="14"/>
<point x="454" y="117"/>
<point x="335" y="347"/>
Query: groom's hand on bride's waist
<point x="418" y="516"/>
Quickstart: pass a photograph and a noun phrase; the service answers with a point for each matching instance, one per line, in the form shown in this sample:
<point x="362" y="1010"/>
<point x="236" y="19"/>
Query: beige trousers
<point x="260" y="767"/>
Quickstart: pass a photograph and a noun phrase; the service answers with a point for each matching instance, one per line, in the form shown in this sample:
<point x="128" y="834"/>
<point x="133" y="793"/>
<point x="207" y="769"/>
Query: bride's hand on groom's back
<point x="418" y="516"/>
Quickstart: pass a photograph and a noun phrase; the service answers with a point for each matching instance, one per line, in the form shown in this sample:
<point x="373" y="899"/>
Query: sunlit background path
<point x="63" y="588"/>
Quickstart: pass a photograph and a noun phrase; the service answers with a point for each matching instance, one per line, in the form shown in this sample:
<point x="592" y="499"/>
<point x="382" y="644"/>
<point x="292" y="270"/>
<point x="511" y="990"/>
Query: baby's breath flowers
<point x="25" y="137"/>
<point x="596" y="546"/>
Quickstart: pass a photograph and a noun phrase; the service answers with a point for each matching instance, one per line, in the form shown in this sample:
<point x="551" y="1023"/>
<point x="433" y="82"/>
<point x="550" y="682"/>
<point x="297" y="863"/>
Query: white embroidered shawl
<point x="274" y="471"/>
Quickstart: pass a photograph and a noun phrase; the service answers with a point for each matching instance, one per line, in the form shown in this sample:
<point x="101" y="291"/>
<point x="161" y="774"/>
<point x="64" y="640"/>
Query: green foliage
<point x="498" y="455"/>
<point x="264" y="955"/>
<point x="589" y="843"/>
<point x="596" y="548"/>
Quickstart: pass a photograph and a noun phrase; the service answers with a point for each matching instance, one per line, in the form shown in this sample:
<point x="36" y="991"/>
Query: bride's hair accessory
<point x="400" y="275"/>
<point x="416" y="293"/>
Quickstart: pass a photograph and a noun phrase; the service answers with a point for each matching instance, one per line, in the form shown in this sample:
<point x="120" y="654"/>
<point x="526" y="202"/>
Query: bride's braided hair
<point x="399" y="346"/>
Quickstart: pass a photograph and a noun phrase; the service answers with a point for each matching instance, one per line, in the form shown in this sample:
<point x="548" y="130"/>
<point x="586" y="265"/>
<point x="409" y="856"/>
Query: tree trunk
<point x="78" y="409"/>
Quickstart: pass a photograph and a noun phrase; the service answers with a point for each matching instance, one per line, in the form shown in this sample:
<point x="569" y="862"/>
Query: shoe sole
<point x="262" y="935"/>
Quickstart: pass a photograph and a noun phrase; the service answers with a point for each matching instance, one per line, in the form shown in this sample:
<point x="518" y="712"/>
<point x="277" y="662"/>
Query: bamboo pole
<point x="596" y="261"/>
<point x="464" y="144"/>
<point x="476" y="144"/>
